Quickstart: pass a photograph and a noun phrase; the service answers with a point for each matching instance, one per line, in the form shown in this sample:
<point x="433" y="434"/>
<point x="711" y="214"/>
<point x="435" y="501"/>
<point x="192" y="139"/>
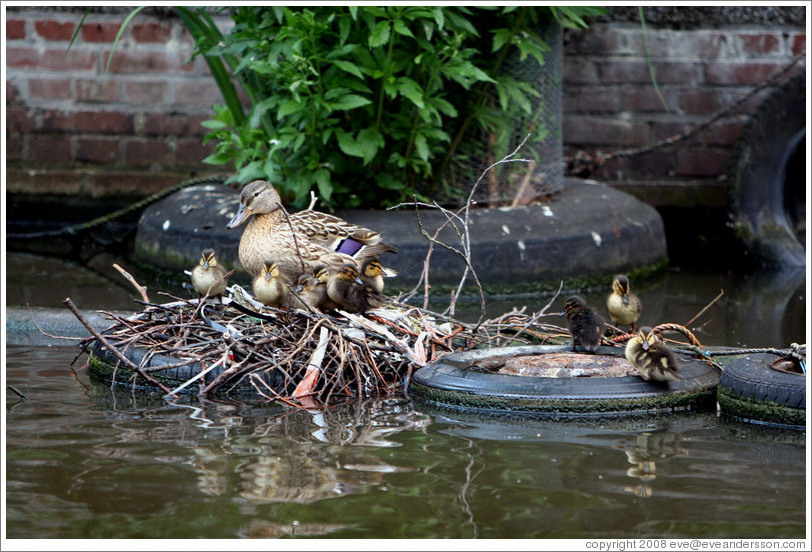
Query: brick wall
<point x="610" y="103"/>
<point x="74" y="127"/>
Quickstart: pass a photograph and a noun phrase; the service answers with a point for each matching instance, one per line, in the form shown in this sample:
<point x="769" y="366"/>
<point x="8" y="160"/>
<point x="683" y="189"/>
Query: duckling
<point x="271" y="286"/>
<point x="310" y="292"/>
<point x="651" y="357"/>
<point x="586" y="326"/>
<point x="208" y="276"/>
<point x="271" y="232"/>
<point x="624" y="307"/>
<point x="372" y="273"/>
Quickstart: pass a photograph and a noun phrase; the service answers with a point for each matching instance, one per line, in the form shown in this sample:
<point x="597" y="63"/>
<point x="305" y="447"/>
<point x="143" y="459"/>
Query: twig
<point x="721" y="292"/>
<point x="19" y="393"/>
<point x="523" y="186"/>
<point x="112" y="349"/>
<point x="141" y="289"/>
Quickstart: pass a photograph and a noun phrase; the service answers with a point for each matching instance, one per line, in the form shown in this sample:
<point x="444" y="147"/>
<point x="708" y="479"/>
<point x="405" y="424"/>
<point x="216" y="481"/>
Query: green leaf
<point x="348" y="144"/>
<point x="289" y="107"/>
<point x="322" y="178"/>
<point x="349" y="102"/>
<point x="370" y="140"/>
<point x="349" y="67"/>
<point x="421" y="146"/>
<point x="407" y="87"/>
<point x="218" y="158"/>
<point x="379" y="35"/>
<point x="401" y="28"/>
<point x="213" y="124"/>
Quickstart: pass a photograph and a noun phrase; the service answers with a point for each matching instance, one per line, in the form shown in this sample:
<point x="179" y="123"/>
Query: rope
<point x="74" y="229"/>
<point x="795" y="351"/>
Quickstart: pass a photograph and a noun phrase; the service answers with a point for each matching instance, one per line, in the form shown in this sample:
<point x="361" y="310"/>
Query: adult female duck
<point x="270" y="234"/>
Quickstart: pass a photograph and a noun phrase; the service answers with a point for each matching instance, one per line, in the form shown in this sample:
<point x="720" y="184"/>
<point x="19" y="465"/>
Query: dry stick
<point x="112" y="349"/>
<point x="721" y="292"/>
<point x="141" y="289"/>
<point x="293" y="233"/>
<point x="523" y="186"/>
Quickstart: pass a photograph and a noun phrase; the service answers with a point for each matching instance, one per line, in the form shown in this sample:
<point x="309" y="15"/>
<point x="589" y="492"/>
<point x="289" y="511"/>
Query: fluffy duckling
<point x="372" y="273"/>
<point x="271" y="286"/>
<point x="586" y="326"/>
<point x="624" y="307"/>
<point x="310" y="292"/>
<point x="651" y="357"/>
<point x="208" y="276"/>
<point x="348" y="291"/>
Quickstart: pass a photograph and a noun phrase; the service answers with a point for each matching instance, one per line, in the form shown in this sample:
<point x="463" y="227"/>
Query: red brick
<point x="798" y="44"/>
<point x="102" y="151"/>
<point x="100" y="122"/>
<point x="190" y="153"/>
<point x="100" y="32"/>
<point x="15" y="29"/>
<point x="589" y="131"/>
<point x="170" y="124"/>
<point x="146" y="152"/>
<point x="740" y="72"/>
<point x="49" y="150"/>
<point x="623" y="72"/>
<point x="19" y="119"/>
<point x="663" y="130"/>
<point x="54" y="30"/>
<point x="97" y="90"/>
<point x="590" y="100"/>
<point x="129" y="61"/>
<point x="151" y="31"/>
<point x="758" y="44"/>
<point x="702" y="162"/>
<point x="149" y="92"/>
<point x="722" y="134"/>
<point x="51" y="181"/>
<point x="14" y="148"/>
<point x="702" y="101"/>
<point x="638" y="72"/>
<point x="128" y="183"/>
<point x="644" y="99"/>
<point x="195" y="92"/>
<point x="49" y="89"/>
<point x="56" y="60"/>
<point x="580" y="70"/>
<point x="655" y="164"/>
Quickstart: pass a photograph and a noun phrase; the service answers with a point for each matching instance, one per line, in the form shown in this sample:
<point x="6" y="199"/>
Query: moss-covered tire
<point x="750" y="390"/>
<point x="451" y="383"/>
<point x="107" y="366"/>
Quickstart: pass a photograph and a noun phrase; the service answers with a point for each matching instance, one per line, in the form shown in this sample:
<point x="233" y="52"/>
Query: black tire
<point x="450" y="383"/>
<point x="106" y="366"/>
<point x="749" y="390"/>
<point x="767" y="191"/>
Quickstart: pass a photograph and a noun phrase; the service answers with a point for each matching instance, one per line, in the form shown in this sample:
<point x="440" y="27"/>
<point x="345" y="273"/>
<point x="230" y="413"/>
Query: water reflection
<point x="644" y="452"/>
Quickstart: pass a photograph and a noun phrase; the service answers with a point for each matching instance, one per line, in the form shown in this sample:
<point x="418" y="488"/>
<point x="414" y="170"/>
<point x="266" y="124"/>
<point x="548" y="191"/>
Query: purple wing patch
<point x="349" y="246"/>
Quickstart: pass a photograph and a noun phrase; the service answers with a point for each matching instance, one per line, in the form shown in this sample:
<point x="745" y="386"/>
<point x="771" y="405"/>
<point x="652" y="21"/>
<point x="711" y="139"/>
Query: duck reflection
<point x="306" y="455"/>
<point x="644" y="453"/>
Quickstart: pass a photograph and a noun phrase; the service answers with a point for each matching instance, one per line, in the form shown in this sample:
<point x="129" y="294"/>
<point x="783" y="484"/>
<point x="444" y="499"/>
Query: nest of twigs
<point x="299" y="357"/>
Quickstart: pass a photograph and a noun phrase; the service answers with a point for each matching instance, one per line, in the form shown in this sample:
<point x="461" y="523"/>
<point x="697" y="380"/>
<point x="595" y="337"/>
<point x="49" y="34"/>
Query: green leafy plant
<point x="368" y="105"/>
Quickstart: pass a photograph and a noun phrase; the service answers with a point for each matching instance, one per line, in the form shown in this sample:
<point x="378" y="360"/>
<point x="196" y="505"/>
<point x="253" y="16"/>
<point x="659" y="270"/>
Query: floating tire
<point x="750" y="390"/>
<point x="767" y="191"/>
<point x="451" y="383"/>
<point x="105" y="365"/>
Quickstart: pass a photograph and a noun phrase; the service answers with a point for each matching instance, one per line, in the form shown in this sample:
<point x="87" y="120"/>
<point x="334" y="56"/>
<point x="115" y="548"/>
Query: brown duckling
<point x="310" y="292"/>
<point x="372" y="273"/>
<point x="208" y="277"/>
<point x="624" y="307"/>
<point x="586" y="326"/>
<point x="271" y="286"/>
<point x="348" y="291"/>
<point x="651" y="357"/>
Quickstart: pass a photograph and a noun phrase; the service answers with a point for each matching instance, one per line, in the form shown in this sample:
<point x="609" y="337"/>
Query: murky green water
<point x="85" y="462"/>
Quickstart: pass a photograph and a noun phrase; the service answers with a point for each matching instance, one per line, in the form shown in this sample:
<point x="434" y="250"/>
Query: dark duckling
<point x="586" y="326"/>
<point x="651" y="357"/>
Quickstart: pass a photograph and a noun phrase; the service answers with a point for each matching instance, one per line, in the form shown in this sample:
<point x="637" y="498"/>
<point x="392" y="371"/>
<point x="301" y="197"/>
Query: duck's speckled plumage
<point x="270" y="233"/>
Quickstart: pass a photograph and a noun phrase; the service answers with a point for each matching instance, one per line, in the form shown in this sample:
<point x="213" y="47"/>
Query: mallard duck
<point x="586" y="326"/>
<point x="651" y="357"/>
<point x="271" y="286"/>
<point x="271" y="234"/>
<point x="373" y="272"/>
<point x="208" y="277"/>
<point x="624" y="307"/>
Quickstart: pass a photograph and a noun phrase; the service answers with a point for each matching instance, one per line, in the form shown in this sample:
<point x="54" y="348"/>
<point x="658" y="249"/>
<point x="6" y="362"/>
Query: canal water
<point x="83" y="461"/>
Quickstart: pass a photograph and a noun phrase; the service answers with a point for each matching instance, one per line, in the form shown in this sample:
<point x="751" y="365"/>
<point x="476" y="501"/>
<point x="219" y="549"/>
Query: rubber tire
<point x="749" y="390"/>
<point x="450" y="383"/>
<point x="105" y="365"/>
<point x="757" y="193"/>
